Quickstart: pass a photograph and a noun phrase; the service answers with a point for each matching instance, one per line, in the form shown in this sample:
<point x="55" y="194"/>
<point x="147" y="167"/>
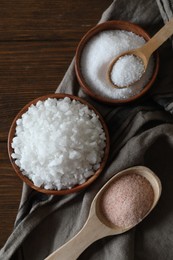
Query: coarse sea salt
<point x="58" y="143"/>
<point x="97" y="55"/>
<point x="127" y="200"/>
<point x="127" y="70"/>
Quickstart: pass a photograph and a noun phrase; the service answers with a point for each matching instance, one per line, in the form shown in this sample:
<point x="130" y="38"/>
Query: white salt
<point x="58" y="143"/>
<point x="97" y="56"/>
<point x="127" y="70"/>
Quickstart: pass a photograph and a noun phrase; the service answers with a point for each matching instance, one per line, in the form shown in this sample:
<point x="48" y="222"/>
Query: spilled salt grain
<point x="127" y="200"/>
<point x="97" y="55"/>
<point x="58" y="143"/>
<point x="127" y="70"/>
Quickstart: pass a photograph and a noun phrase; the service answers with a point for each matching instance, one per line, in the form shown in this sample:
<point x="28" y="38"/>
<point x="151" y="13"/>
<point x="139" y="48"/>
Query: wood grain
<point x="48" y="20"/>
<point x="38" y="40"/>
<point x="10" y="189"/>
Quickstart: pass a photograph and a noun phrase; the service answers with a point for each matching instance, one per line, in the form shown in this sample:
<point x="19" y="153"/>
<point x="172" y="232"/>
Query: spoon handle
<point x="158" y="39"/>
<point x="91" y="231"/>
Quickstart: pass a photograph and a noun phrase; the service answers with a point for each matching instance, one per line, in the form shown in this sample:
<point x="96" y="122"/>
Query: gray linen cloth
<point x="141" y="133"/>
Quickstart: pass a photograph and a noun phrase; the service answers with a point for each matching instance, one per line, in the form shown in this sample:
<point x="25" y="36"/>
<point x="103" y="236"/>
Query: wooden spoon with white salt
<point x="102" y="218"/>
<point x="136" y="60"/>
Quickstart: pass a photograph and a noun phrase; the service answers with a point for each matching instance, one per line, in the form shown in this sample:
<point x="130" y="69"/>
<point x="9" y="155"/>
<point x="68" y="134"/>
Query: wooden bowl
<point x="63" y="191"/>
<point x="112" y="25"/>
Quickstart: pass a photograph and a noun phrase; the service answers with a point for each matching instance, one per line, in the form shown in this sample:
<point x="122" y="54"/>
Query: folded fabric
<point x="141" y="133"/>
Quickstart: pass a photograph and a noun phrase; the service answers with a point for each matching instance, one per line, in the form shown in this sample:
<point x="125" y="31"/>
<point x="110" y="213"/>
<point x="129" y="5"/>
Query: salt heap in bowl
<point x="95" y="53"/>
<point x="59" y="143"/>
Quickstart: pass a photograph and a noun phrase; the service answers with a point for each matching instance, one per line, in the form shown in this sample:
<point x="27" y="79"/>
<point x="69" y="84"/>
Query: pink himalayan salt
<point x="127" y="200"/>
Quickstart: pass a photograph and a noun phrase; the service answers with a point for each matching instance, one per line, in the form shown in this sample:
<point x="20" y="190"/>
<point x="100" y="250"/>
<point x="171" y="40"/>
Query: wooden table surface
<point x="38" y="39"/>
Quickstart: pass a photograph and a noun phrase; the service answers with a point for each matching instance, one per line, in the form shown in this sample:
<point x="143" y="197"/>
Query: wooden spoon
<point x="97" y="226"/>
<point x="144" y="53"/>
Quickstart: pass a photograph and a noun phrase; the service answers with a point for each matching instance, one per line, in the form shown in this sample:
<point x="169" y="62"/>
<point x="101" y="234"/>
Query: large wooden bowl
<point x="64" y="191"/>
<point x="112" y="25"/>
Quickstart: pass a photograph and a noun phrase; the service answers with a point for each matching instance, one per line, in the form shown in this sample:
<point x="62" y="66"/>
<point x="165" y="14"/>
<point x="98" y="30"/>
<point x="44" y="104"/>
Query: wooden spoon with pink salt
<point x="124" y="201"/>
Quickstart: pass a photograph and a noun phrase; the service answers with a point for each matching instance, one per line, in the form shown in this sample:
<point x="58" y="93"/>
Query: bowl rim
<point x="76" y="188"/>
<point x="112" y="25"/>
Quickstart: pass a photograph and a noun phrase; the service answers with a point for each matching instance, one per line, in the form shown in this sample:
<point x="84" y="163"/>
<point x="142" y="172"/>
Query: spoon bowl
<point x="139" y="54"/>
<point x="97" y="225"/>
<point x="143" y="53"/>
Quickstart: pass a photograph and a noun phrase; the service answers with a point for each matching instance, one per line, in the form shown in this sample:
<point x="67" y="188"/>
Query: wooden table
<point x="37" y="43"/>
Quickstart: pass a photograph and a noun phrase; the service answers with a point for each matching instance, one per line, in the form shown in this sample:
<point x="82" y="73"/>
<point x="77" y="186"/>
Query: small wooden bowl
<point x="112" y="25"/>
<point x="63" y="191"/>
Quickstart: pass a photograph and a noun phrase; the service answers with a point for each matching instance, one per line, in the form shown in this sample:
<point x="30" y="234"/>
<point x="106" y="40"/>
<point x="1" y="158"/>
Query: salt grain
<point x="97" y="55"/>
<point x="127" y="70"/>
<point x="58" y="143"/>
<point x="127" y="200"/>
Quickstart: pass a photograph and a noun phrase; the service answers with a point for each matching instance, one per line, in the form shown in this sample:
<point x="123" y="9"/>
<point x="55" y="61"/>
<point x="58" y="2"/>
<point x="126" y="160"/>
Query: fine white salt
<point x="58" y="143"/>
<point x="127" y="200"/>
<point x="99" y="53"/>
<point x="127" y="70"/>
